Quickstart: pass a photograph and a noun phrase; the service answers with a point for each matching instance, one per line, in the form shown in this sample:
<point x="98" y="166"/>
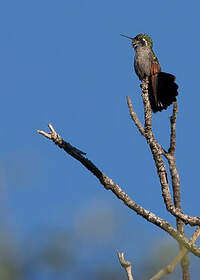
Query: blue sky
<point x="64" y="62"/>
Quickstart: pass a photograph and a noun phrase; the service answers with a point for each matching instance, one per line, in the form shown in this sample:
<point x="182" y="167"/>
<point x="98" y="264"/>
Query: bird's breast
<point x="142" y="63"/>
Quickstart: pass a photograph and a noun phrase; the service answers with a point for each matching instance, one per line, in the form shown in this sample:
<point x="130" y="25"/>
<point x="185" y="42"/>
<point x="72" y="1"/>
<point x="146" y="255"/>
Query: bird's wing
<point x="154" y="70"/>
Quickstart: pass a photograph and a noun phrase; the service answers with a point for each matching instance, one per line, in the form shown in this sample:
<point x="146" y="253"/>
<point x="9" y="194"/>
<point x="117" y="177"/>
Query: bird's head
<point x="141" y="40"/>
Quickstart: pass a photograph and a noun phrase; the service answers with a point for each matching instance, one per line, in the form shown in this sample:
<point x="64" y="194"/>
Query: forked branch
<point x="174" y="209"/>
<point x="110" y="185"/>
<point x="157" y="152"/>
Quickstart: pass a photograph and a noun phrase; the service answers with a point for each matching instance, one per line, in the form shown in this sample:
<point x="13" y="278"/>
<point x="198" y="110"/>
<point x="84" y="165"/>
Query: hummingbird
<point x="162" y="88"/>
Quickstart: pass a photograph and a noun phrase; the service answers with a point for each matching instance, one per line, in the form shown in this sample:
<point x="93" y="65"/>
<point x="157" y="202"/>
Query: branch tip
<point x="126" y="265"/>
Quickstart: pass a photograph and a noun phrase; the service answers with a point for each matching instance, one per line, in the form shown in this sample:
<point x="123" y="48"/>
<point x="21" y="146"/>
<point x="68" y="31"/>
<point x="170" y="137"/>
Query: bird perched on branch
<point x="162" y="87"/>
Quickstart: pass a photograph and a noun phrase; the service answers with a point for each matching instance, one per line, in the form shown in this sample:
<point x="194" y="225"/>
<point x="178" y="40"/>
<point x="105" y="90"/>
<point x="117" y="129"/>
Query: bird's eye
<point x="144" y="40"/>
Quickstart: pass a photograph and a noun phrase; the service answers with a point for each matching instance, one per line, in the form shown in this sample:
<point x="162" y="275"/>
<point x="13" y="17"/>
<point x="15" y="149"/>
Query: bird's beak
<point x="127" y="37"/>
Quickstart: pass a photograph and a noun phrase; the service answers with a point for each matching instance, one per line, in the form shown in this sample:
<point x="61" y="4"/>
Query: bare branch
<point x="183" y="252"/>
<point x="134" y="116"/>
<point x="173" y="129"/>
<point x="126" y="265"/>
<point x="57" y="139"/>
<point x="147" y="111"/>
<point x="175" y="180"/>
<point x="157" y="152"/>
<point x="139" y="125"/>
<point x="162" y="172"/>
<point x="185" y="264"/>
<point x="110" y="185"/>
<point x="172" y="166"/>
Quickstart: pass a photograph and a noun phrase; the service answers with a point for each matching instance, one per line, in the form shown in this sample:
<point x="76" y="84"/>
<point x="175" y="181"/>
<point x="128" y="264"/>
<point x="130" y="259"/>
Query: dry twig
<point x="126" y="265"/>
<point x="185" y="264"/>
<point x="162" y="172"/>
<point x="110" y="185"/>
<point x="183" y="252"/>
<point x="157" y="152"/>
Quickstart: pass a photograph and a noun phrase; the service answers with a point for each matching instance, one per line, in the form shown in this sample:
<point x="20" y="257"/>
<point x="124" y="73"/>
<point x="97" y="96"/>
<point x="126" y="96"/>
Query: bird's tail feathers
<point x="162" y="91"/>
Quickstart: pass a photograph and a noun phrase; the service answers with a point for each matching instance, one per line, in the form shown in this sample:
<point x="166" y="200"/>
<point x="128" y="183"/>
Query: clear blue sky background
<point x="64" y="62"/>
